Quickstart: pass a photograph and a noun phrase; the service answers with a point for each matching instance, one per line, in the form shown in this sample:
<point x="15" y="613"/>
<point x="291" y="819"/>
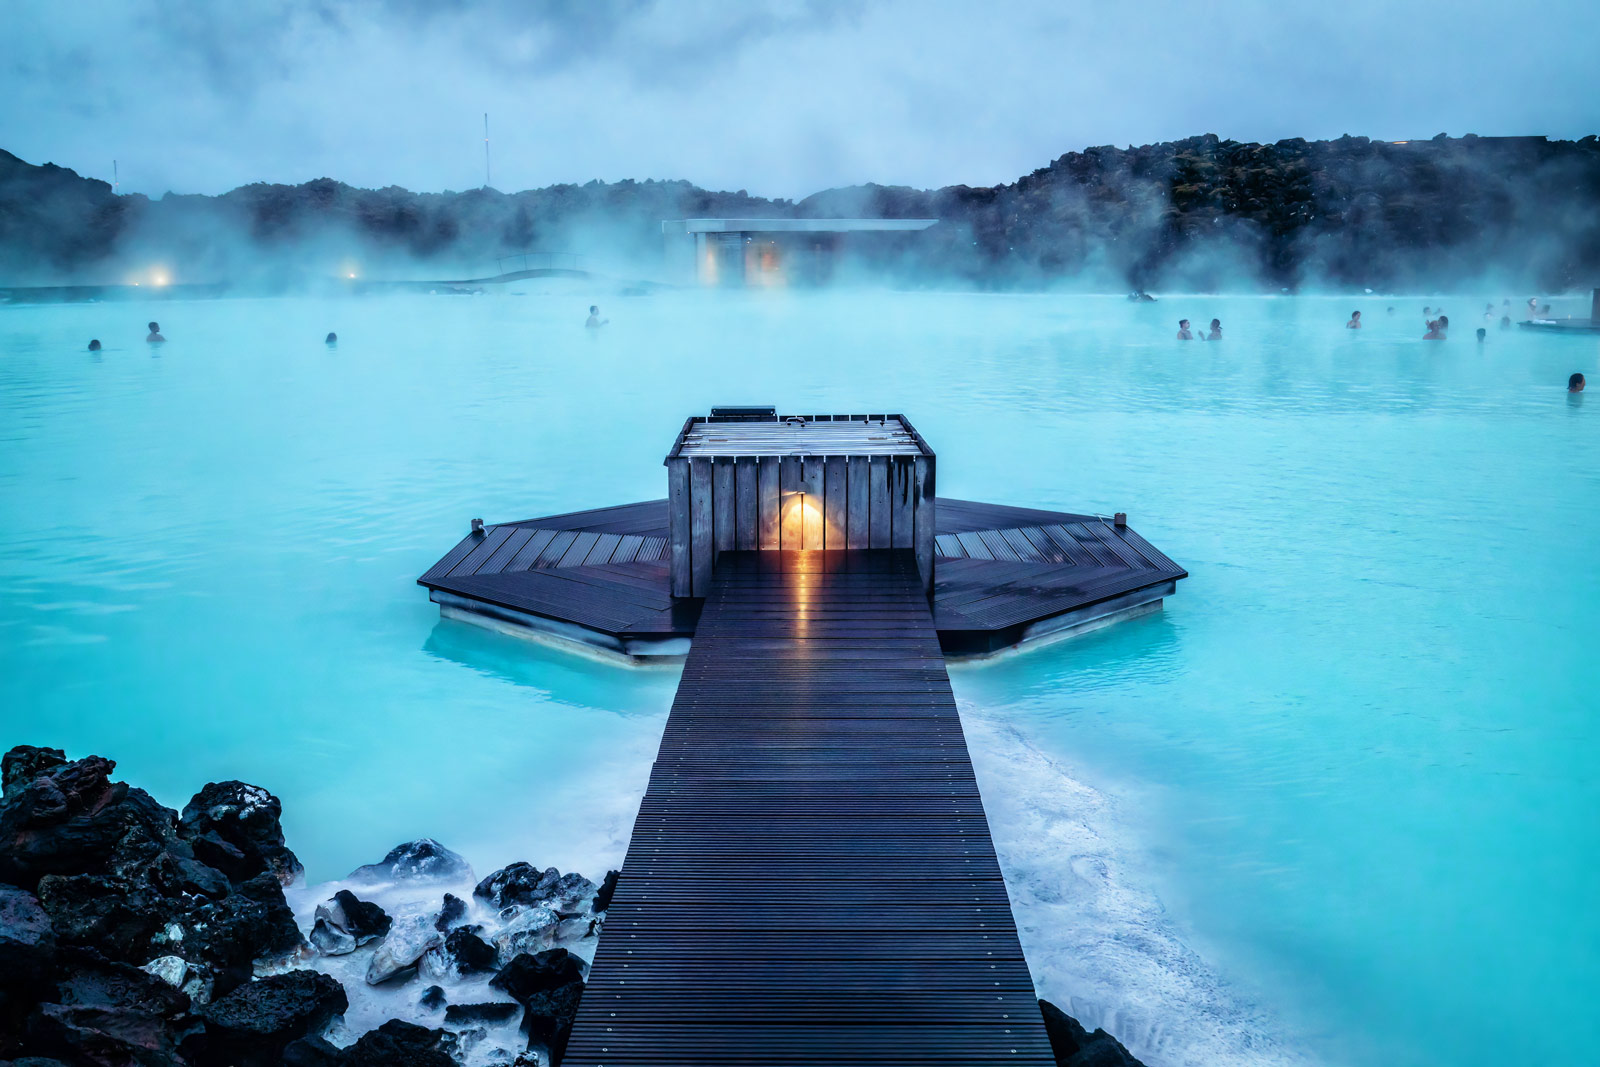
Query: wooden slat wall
<point x="729" y="503"/>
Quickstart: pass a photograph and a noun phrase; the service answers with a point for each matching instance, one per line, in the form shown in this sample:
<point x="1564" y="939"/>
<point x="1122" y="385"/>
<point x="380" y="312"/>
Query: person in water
<point x="1575" y="383"/>
<point x="331" y="339"/>
<point x="1482" y="334"/>
<point x="1437" y="329"/>
<point x="595" y="320"/>
<point x="1427" y="311"/>
<point x="1216" y="330"/>
<point x="1391" y="311"/>
<point x="94" y="345"/>
<point x="1355" y="320"/>
<point x="155" y="334"/>
<point x="1184" y="333"/>
<point x="1505" y="322"/>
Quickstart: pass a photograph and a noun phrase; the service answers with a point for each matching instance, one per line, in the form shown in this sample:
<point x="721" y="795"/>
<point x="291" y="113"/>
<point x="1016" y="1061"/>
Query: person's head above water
<point x="1575" y="383"/>
<point x="155" y="327"/>
<point x="594" y="309"/>
<point x="1482" y="333"/>
<point x="94" y="345"/>
<point x="1355" y="314"/>
<point x="1216" y="324"/>
<point x="331" y="339"/>
<point x="1183" y="324"/>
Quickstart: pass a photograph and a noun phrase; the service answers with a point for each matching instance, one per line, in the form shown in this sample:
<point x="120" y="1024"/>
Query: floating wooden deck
<point x="810" y="879"/>
<point x="1005" y="576"/>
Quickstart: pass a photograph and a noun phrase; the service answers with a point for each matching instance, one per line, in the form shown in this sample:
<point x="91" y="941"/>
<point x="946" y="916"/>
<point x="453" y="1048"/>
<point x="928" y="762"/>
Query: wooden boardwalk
<point x="810" y="878"/>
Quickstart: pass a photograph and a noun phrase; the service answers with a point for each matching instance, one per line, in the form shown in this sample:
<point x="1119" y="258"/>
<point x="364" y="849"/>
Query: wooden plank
<point x="723" y="505"/>
<point x="836" y="502"/>
<point x="701" y="554"/>
<point x="768" y="519"/>
<point x="924" y="522"/>
<point x="814" y="503"/>
<point x="859" y="491"/>
<point x="879" y="520"/>
<point x="486" y="547"/>
<point x="678" y="521"/>
<point x="530" y="551"/>
<point x="747" y="522"/>
<point x="791" y="531"/>
<point x="901" y="502"/>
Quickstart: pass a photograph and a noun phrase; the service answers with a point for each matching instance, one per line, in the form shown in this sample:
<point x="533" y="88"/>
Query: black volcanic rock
<point x="608" y="889"/>
<point x="468" y="951"/>
<point x="67" y="818"/>
<point x="548" y="1017"/>
<point x="244" y="817"/>
<point x="363" y="919"/>
<point x="27" y="943"/>
<point x="253" y="1024"/>
<point x="529" y="974"/>
<point x="423" y="860"/>
<point x="105" y="913"/>
<point x="401" y="1044"/>
<point x="1075" y="1047"/>
<point x="24" y="763"/>
<point x="493" y="1012"/>
<point x="104" y="1012"/>
<point x="519" y="883"/>
<point x="451" y="913"/>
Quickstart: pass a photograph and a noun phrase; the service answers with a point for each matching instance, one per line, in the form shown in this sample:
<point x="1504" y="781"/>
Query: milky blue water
<point x="1337" y="803"/>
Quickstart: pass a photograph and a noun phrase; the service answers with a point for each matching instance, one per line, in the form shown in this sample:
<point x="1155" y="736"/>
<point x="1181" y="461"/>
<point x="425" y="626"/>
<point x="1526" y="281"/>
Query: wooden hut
<point x="751" y="480"/>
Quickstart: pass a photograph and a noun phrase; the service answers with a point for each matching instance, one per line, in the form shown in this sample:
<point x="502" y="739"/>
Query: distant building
<point x="766" y="251"/>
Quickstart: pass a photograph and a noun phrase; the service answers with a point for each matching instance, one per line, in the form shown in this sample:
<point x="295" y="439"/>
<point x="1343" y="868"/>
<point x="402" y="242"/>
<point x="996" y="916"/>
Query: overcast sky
<point x="780" y="97"/>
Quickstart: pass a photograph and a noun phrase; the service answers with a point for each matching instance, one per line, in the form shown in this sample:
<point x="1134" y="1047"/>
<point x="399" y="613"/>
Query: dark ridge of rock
<point x="106" y="913"/>
<point x="451" y="913"/>
<point x="608" y="889"/>
<point x="549" y="1015"/>
<point x="92" y="981"/>
<point x="519" y="883"/>
<point x="66" y="819"/>
<point x="25" y="763"/>
<point x="231" y="934"/>
<point x="27" y="943"/>
<point x="245" y="817"/>
<point x="105" y="1012"/>
<point x="423" y="860"/>
<point x="469" y="952"/>
<point x="493" y="1012"/>
<point x="364" y="920"/>
<point x="1075" y="1047"/>
<point x="253" y="1024"/>
<point x="401" y="1044"/>
<point x="527" y="975"/>
<point x="312" y="1052"/>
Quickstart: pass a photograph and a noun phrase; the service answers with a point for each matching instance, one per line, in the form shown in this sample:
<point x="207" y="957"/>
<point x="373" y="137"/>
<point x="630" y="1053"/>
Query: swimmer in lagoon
<point x="1391" y="311"/>
<point x="1183" y="330"/>
<point x="1437" y="329"/>
<point x="331" y="339"/>
<point x="1216" y="330"/>
<point x="1505" y="322"/>
<point x="1575" y="383"/>
<point x="1427" y="311"/>
<point x="1482" y="334"/>
<point x="1355" y="320"/>
<point x="94" y="345"/>
<point x="155" y="337"/>
<point x="595" y="321"/>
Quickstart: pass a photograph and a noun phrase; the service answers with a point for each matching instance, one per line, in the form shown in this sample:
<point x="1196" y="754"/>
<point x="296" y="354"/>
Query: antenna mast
<point x="486" y="182"/>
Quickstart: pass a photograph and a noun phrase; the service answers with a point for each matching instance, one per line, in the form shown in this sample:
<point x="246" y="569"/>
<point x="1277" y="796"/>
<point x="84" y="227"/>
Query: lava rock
<point x="244" y="817"/>
<point x="1075" y="1047"/>
<point x="571" y="895"/>
<point x="312" y="1051"/>
<point x="231" y="934"/>
<point x="401" y="1044"/>
<point x="329" y="940"/>
<point x="106" y="1012"/>
<point x="469" y="951"/>
<point x="24" y="763"/>
<point x="104" y="912"/>
<point x="407" y="940"/>
<point x="529" y="930"/>
<point x="528" y="974"/>
<point x="549" y="1015"/>
<point x="608" y="888"/>
<point x="254" y="1023"/>
<point x="451" y="913"/>
<point x="520" y="883"/>
<point x="66" y="819"/>
<point x="423" y="860"/>
<point x="494" y="1012"/>
<point x="27" y="944"/>
<point x="363" y="919"/>
<point x="432" y="998"/>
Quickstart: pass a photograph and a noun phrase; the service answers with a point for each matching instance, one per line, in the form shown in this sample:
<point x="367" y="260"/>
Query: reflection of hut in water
<point x="1569" y="324"/>
<point x="768" y="251"/>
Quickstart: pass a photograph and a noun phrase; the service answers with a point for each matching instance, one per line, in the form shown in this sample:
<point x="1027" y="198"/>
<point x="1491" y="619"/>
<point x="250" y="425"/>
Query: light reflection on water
<point x="1340" y="789"/>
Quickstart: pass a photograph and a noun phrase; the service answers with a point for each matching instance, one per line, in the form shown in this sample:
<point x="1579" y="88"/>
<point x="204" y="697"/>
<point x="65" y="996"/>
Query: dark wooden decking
<point x="811" y="878"/>
<point x="1000" y="570"/>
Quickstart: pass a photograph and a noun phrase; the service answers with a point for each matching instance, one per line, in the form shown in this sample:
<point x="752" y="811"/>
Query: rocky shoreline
<point x="132" y="934"/>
